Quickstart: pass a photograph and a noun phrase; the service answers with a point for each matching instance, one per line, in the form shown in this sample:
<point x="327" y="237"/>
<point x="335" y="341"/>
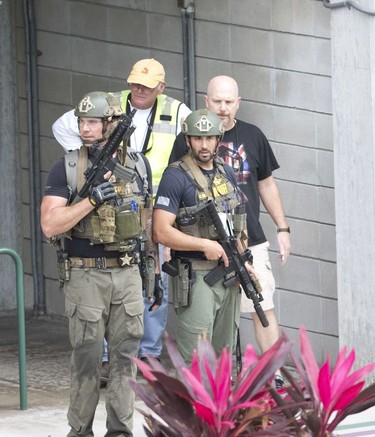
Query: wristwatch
<point x="283" y="229"/>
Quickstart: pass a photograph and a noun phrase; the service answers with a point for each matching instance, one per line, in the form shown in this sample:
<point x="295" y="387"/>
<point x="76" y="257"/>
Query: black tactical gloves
<point x="158" y="292"/>
<point x="101" y="193"/>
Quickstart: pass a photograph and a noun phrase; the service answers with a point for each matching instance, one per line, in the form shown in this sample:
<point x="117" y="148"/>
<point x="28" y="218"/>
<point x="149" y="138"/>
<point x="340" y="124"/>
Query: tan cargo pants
<point x="103" y="303"/>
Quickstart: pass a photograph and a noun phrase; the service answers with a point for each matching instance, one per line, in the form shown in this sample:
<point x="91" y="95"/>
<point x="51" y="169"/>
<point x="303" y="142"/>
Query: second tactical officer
<point x="199" y="177"/>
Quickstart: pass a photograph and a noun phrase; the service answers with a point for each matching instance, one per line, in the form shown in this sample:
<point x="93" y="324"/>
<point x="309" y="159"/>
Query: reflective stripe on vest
<point x="162" y="136"/>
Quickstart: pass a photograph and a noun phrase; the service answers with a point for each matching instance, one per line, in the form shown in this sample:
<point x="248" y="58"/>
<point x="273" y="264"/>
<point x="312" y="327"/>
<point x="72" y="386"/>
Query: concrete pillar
<point x="353" y="91"/>
<point x="10" y="208"/>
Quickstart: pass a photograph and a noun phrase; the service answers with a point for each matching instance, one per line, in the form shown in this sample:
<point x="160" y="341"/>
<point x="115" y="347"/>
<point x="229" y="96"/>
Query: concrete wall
<point x="353" y="62"/>
<point x="10" y="223"/>
<point x="277" y="50"/>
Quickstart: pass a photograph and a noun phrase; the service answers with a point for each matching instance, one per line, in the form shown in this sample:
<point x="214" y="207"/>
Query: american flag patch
<point x="161" y="200"/>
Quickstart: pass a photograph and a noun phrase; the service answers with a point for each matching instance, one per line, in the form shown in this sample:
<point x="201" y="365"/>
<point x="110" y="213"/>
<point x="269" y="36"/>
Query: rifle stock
<point x="208" y="212"/>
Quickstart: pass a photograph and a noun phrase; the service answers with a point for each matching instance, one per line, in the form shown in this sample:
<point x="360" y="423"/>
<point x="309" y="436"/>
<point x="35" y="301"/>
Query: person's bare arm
<point x="57" y="217"/>
<point x="164" y="233"/>
<point x="270" y="196"/>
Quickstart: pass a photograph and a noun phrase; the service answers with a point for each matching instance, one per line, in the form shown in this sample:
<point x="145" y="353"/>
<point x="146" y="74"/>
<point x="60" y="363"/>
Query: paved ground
<point x="47" y="362"/>
<point x="47" y="359"/>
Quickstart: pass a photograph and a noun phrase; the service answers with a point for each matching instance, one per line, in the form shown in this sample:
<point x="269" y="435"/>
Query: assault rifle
<point x="209" y="214"/>
<point x="104" y="161"/>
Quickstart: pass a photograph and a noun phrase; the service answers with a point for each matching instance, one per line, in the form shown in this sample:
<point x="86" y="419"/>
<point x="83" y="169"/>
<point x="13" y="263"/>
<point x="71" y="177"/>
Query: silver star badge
<point x="125" y="260"/>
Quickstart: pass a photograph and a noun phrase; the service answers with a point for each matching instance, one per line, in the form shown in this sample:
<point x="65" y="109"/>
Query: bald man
<point x="246" y="149"/>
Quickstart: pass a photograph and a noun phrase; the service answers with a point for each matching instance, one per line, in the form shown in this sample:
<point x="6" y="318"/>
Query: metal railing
<point x="21" y="325"/>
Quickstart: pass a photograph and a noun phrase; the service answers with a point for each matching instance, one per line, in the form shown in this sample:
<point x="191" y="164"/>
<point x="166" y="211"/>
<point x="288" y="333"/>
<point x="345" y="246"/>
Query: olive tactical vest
<point x="112" y="225"/>
<point x="221" y="190"/>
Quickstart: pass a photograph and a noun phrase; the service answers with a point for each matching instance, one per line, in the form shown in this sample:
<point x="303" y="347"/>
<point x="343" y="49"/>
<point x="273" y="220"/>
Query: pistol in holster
<point x="63" y="267"/>
<point x="179" y="269"/>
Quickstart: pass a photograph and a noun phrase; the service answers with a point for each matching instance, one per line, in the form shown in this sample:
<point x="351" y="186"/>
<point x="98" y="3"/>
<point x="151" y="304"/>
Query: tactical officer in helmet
<point x="198" y="177"/>
<point x="100" y="239"/>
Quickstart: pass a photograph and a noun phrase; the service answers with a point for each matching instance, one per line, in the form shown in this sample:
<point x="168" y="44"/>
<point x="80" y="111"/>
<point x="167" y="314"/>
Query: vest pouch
<point x="188" y="225"/>
<point x="239" y="219"/>
<point x="103" y="224"/>
<point x="207" y="231"/>
<point x="128" y="225"/>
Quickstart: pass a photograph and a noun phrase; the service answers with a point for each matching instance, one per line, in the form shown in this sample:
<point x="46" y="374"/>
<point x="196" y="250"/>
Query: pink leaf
<point x="340" y="371"/>
<point x="199" y="390"/>
<point x="145" y="369"/>
<point x="360" y="373"/>
<point x="205" y="413"/>
<point x="308" y="359"/>
<point x="324" y="384"/>
<point x="250" y="355"/>
<point x="348" y="396"/>
<point x="194" y="367"/>
<point x="222" y="381"/>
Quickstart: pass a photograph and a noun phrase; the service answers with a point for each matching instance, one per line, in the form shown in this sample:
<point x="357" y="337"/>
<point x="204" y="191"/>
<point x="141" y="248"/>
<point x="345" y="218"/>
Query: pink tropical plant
<point x="332" y="395"/>
<point x="201" y="401"/>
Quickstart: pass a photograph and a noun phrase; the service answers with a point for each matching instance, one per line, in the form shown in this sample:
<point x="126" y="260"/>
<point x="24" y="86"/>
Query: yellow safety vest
<point x="164" y="131"/>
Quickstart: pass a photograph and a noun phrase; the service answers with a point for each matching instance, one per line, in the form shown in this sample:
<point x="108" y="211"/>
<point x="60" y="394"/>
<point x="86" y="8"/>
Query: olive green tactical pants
<point x="215" y="311"/>
<point x="103" y="303"/>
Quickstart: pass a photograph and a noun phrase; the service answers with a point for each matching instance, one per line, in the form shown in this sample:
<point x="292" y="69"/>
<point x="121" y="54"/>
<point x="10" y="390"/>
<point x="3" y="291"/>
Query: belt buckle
<point x="78" y="263"/>
<point x="100" y="263"/>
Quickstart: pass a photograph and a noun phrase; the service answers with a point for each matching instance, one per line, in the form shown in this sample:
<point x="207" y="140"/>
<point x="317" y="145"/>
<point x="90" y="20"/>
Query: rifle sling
<point x="198" y="175"/>
<point x="81" y="167"/>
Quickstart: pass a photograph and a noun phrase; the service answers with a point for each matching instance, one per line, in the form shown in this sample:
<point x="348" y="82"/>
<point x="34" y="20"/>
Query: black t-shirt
<point x="57" y="185"/>
<point x="247" y="151"/>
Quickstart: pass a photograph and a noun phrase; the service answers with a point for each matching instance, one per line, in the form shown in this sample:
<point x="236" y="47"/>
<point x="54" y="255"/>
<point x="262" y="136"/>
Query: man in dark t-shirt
<point x="246" y="149"/>
<point x="193" y="181"/>
<point x="100" y="242"/>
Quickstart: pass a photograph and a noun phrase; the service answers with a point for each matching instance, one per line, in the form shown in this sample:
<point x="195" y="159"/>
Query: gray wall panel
<point x="324" y="132"/>
<point x="301" y="53"/>
<point x="300" y="17"/>
<point x="327" y="242"/>
<point x="89" y="56"/>
<point x="52" y="15"/>
<point x="296" y="163"/>
<point x="325" y="175"/>
<point x="55" y="85"/>
<point x="330" y="322"/>
<point x="214" y="10"/>
<point x="251" y="14"/>
<point x="124" y="25"/>
<point x="83" y="83"/>
<point x="297" y="310"/>
<point x="55" y="50"/>
<point x="328" y="280"/>
<point x="90" y="21"/>
<point x="326" y="205"/>
<point x="254" y="82"/>
<point x="251" y="46"/>
<point x="294" y="126"/>
<point x="213" y="41"/>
